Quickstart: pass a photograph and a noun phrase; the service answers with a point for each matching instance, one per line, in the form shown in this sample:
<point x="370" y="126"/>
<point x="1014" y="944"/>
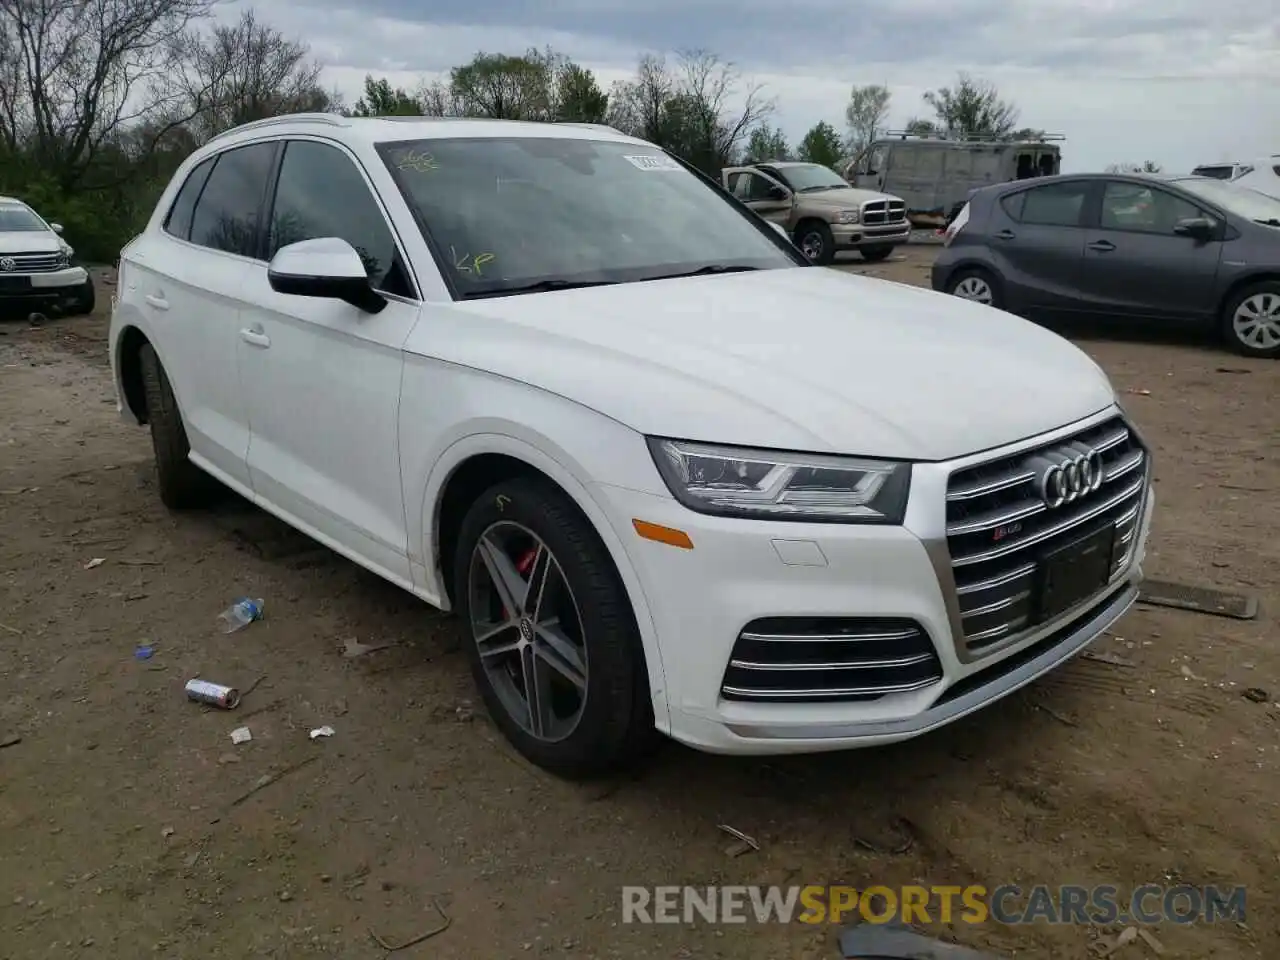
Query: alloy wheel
<point x="811" y="245"/>
<point x="528" y="628"/>
<point x="974" y="288"/>
<point x="1256" y="322"/>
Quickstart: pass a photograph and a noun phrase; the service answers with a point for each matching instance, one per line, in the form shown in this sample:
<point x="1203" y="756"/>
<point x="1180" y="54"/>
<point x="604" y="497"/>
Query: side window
<point x="178" y="222"/>
<point x="1013" y="204"/>
<point x="321" y="194"/>
<point x="1141" y="209"/>
<point x="877" y="157"/>
<point x="739" y="184"/>
<point x="226" y="216"/>
<point x="1055" y="204"/>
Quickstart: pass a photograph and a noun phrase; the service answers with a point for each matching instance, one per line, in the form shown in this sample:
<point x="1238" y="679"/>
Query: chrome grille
<point x="877" y="213"/>
<point x="33" y="262"/>
<point x="999" y="528"/>
<point x="829" y="659"/>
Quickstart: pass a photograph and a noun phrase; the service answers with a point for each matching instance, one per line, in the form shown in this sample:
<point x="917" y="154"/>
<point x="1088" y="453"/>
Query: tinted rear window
<point x="178" y="222"/>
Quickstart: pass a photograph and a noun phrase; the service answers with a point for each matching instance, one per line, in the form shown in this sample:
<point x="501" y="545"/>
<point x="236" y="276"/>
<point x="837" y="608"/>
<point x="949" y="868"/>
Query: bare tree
<point x="238" y="73"/>
<point x="864" y="116"/>
<point x="699" y="109"/>
<point x="77" y="71"/>
<point x="437" y="100"/>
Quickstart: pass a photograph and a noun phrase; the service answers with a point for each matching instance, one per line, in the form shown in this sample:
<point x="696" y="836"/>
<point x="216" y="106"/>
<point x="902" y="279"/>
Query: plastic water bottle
<point x="239" y="615"/>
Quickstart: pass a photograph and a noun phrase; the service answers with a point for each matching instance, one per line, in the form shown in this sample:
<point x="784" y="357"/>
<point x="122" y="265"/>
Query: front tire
<point x="182" y="484"/>
<point x="554" y="646"/>
<point x="815" y="241"/>
<point x="1251" y="321"/>
<point x="875" y="254"/>
<point x="85" y="300"/>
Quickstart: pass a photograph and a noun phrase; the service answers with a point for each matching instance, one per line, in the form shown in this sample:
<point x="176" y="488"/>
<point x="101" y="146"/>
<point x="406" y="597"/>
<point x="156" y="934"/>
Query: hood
<point x="807" y="359"/>
<point x="844" y="197"/>
<point x="29" y="241"/>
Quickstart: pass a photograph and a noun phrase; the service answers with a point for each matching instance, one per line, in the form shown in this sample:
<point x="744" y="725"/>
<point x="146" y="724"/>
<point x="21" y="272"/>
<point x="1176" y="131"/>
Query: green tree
<point x="1146" y="166"/>
<point x="972" y="109"/>
<point x="381" y="100"/>
<point x="767" y="143"/>
<point x="821" y="145"/>
<point x="578" y="98"/>
<point x="503" y="87"/>
<point x="865" y="115"/>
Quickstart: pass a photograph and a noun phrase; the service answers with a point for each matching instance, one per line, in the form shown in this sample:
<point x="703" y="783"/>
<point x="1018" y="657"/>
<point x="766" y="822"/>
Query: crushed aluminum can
<point x="214" y="694"/>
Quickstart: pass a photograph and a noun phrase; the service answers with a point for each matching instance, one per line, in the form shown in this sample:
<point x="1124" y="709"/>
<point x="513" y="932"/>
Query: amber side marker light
<point x="660" y="534"/>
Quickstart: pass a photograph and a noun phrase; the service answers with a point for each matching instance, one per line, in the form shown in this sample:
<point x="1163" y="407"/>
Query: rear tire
<point x="814" y="239"/>
<point x="875" y="254"/>
<point x="600" y="719"/>
<point x="978" y="285"/>
<point x="1251" y="321"/>
<point x="182" y="484"/>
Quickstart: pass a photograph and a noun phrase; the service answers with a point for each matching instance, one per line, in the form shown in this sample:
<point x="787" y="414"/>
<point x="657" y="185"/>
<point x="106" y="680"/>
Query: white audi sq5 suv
<point x="670" y="476"/>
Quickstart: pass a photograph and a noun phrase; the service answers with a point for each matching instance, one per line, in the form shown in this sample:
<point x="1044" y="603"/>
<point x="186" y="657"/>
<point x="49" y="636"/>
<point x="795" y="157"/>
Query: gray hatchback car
<point x="1182" y="249"/>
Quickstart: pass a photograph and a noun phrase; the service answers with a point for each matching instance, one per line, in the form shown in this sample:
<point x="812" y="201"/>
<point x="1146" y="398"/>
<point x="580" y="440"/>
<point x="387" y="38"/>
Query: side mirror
<point x="777" y="193"/>
<point x="1199" y="228"/>
<point x="55" y="227"/>
<point x="326" y="267"/>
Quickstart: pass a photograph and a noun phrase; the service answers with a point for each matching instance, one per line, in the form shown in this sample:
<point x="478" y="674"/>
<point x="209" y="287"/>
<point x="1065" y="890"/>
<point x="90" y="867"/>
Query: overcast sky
<point x="1180" y="82"/>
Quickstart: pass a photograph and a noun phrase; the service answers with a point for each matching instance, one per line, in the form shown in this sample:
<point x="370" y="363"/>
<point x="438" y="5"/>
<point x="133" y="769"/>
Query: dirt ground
<point x="125" y="830"/>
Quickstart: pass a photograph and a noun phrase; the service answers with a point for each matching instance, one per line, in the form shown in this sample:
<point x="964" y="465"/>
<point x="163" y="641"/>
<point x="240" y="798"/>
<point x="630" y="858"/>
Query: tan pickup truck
<point x="819" y="210"/>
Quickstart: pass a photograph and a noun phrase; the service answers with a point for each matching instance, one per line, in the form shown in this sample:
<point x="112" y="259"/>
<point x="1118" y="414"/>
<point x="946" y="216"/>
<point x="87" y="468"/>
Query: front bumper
<point x="42" y="288"/>
<point x="853" y="235"/>
<point x="740" y="572"/>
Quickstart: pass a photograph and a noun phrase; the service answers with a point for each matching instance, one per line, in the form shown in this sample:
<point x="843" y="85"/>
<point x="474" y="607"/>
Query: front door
<point x="323" y="377"/>
<point x="764" y="195"/>
<point x="1137" y="266"/>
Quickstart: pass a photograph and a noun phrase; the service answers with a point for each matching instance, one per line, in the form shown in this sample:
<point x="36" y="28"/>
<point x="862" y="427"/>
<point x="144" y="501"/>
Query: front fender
<point x="558" y="465"/>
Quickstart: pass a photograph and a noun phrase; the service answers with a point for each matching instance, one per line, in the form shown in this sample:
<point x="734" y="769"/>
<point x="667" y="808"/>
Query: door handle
<point x="255" y="337"/>
<point x="157" y="301"/>
<point x="1102" y="246"/>
<point x="1005" y="235"/>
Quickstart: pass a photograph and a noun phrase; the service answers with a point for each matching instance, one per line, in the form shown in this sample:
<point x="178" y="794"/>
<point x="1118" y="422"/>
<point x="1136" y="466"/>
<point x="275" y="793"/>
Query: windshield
<point x="17" y="218"/>
<point x="810" y="177"/>
<point x="1237" y="199"/>
<point x="539" y="213"/>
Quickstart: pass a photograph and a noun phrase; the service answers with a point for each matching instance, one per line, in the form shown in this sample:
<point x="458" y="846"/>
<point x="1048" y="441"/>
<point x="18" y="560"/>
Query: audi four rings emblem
<point x="8" y="263"/>
<point x="1067" y="473"/>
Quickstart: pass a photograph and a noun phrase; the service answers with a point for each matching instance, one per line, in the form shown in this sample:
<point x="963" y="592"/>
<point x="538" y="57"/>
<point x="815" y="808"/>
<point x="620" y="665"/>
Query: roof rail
<point x="969" y="138"/>
<point x="330" y="119"/>
<point x="588" y="126"/>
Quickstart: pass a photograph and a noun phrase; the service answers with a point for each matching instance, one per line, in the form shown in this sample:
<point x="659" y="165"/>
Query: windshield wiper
<point x="1272" y="222"/>
<point x="708" y="270"/>
<point x="538" y="286"/>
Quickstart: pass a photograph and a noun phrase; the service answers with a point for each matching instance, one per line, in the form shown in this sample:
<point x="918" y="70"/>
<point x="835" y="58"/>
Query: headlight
<point x="770" y="485"/>
<point x="847" y="216"/>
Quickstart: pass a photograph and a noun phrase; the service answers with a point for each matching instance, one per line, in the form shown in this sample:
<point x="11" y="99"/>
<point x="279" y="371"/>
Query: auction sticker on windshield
<point x="653" y="161"/>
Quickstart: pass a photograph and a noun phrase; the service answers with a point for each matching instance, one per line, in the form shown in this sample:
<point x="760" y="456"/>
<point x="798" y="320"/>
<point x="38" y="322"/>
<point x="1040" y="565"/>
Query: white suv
<point x="36" y="269"/>
<point x="668" y="474"/>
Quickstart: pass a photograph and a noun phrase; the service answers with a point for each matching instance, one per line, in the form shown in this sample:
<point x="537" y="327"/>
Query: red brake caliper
<point x="524" y="566"/>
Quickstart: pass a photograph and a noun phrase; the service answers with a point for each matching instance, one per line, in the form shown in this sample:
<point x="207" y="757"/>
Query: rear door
<point x="1036" y="237"/>
<point x="189" y="282"/>
<point x="322" y="378"/>
<point x="1137" y="266"/>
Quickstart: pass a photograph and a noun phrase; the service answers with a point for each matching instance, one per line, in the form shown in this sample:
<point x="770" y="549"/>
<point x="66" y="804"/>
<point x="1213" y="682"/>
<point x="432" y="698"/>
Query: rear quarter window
<point x="178" y="222"/>
<point x="1012" y="204"/>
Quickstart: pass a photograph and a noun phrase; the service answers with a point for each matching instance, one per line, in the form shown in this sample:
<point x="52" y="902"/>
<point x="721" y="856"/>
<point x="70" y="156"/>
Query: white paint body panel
<point x="349" y="425"/>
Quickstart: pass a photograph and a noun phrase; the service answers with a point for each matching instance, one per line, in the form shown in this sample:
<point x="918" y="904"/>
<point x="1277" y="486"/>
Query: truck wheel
<point x="1251" y="321"/>
<point x="815" y="241"/>
<point x="554" y="648"/>
<point x="875" y="254"/>
<point x="182" y="483"/>
<point x="85" y="300"/>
